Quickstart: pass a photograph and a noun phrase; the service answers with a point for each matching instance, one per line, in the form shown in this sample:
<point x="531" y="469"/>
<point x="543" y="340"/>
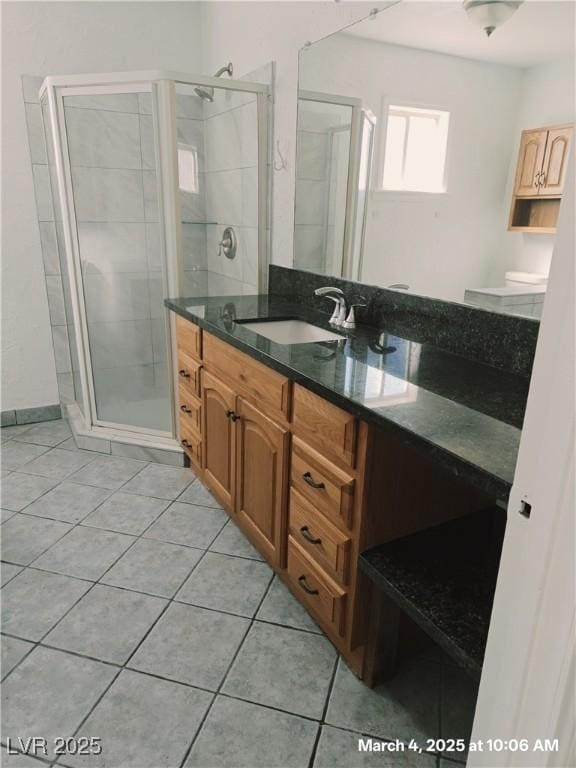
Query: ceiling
<point x="539" y="31"/>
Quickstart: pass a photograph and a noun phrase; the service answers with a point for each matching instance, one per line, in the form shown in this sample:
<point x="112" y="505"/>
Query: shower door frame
<point x="162" y="87"/>
<point x="356" y="126"/>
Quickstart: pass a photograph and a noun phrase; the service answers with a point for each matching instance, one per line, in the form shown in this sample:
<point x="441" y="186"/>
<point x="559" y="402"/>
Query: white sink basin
<point x="291" y="331"/>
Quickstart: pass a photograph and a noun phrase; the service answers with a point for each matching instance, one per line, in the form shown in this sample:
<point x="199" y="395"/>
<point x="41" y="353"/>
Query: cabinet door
<point x="556" y="161"/>
<point x="530" y="159"/>
<point x="218" y="434"/>
<point x="262" y="480"/>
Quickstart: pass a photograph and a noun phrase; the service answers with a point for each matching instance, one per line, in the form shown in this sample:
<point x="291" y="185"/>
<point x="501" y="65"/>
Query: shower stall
<point x="151" y="174"/>
<point x="334" y="158"/>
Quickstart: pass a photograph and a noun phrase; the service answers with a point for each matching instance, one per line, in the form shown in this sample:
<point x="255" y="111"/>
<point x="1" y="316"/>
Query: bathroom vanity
<point x="320" y="451"/>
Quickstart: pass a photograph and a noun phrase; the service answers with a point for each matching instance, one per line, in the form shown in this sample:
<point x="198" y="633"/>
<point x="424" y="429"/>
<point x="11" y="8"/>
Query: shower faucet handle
<point x="228" y="243"/>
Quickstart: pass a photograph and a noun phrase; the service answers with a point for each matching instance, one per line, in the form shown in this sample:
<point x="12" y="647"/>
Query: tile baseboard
<point x="30" y="415"/>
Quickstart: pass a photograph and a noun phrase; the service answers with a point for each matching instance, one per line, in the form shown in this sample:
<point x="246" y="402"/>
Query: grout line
<point x="139" y="644"/>
<point x="324" y="711"/>
<point x="226" y="673"/>
<point x="134" y="651"/>
<point x="16" y="565"/>
<point x="145" y="636"/>
<point x="18" y="439"/>
<point x="93" y="583"/>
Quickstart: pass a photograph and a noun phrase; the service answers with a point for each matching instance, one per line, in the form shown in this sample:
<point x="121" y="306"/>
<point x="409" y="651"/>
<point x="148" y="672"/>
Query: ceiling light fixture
<point x="489" y="14"/>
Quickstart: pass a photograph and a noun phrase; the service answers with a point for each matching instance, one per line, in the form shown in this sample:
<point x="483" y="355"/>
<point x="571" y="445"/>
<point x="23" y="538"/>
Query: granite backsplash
<point x="507" y="342"/>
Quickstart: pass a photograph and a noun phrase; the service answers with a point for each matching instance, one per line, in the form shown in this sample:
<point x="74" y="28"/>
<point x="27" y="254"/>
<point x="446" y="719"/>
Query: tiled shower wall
<point x="321" y="180"/>
<point x="230" y="181"/>
<point x="311" y="193"/>
<point x="50" y="226"/>
<point x="232" y="191"/>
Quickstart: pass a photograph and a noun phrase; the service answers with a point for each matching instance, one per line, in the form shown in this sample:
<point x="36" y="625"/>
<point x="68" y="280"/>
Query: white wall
<point x="547" y="98"/>
<point x="252" y="33"/>
<point x="438" y="244"/>
<point x="40" y="38"/>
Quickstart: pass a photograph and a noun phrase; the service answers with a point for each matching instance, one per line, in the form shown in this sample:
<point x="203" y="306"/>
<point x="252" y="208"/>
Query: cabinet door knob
<point x="232" y="415"/>
<point x="311" y="482"/>
<point x="186" y="444"/>
<point x="305" y="531"/>
<point x="184" y="373"/>
<point x="185" y="409"/>
<point x="305" y="587"/>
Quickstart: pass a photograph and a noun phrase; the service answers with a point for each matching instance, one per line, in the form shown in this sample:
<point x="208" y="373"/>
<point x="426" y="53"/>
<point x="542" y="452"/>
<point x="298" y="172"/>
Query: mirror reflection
<point x="432" y="151"/>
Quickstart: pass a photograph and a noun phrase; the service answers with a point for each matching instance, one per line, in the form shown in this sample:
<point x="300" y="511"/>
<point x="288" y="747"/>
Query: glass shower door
<point x="322" y="169"/>
<point x="121" y="283"/>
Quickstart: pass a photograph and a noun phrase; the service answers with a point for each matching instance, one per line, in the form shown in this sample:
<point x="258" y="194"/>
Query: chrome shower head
<point x="206" y="92"/>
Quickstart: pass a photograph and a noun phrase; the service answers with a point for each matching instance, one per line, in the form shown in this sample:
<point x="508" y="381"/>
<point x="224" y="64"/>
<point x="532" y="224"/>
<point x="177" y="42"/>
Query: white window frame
<point x="378" y="177"/>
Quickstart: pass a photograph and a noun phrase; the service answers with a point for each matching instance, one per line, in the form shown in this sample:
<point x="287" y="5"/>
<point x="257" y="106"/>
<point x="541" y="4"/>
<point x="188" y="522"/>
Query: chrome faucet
<point x="340" y="310"/>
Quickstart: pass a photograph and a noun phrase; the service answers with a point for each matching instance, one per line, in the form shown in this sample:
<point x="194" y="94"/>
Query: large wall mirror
<point x="432" y="156"/>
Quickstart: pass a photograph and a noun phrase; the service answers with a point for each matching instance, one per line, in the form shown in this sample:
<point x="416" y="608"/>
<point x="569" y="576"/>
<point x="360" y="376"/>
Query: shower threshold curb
<point x="162" y="451"/>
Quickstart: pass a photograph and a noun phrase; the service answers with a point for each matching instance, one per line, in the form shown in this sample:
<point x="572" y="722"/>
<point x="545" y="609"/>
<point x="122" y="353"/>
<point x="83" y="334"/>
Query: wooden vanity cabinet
<point x="310" y="484"/>
<point x="246" y="442"/>
<point x="219" y="435"/>
<point x="261" y="479"/>
<point x="189" y="366"/>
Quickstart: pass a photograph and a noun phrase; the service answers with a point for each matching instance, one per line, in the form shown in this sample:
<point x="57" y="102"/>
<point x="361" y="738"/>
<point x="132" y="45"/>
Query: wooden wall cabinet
<point x="310" y="484"/>
<point x="540" y="176"/>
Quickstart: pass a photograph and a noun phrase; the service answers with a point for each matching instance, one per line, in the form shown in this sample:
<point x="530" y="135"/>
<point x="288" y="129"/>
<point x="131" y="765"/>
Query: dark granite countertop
<point x="466" y="415"/>
<point x="444" y="578"/>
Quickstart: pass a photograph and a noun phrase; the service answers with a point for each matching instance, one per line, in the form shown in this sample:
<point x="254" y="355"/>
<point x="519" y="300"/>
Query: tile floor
<point x="133" y="610"/>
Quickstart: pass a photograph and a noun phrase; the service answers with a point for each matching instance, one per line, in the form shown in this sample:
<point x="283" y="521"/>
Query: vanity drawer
<point x="189" y="337"/>
<point x="268" y="389"/>
<point x="328" y="428"/>
<point x="316" y="590"/>
<point x="190" y="409"/>
<point x="189" y="373"/>
<point x="327" y="487"/>
<point x="327" y="545"/>
<point x="191" y="443"/>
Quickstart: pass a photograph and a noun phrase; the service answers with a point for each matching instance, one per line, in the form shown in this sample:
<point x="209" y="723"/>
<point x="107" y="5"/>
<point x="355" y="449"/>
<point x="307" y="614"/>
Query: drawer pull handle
<point x="184" y="373"/>
<point x="311" y="482"/>
<point x="186" y="444"/>
<point x="305" y="587"/>
<point x="305" y="531"/>
<point x="185" y="409"/>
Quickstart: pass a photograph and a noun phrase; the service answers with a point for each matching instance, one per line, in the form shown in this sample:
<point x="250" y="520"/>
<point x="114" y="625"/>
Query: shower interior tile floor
<point x="135" y="612"/>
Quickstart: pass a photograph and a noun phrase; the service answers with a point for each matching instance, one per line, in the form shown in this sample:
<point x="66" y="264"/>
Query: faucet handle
<point x="336" y="318"/>
<point x="350" y="321"/>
